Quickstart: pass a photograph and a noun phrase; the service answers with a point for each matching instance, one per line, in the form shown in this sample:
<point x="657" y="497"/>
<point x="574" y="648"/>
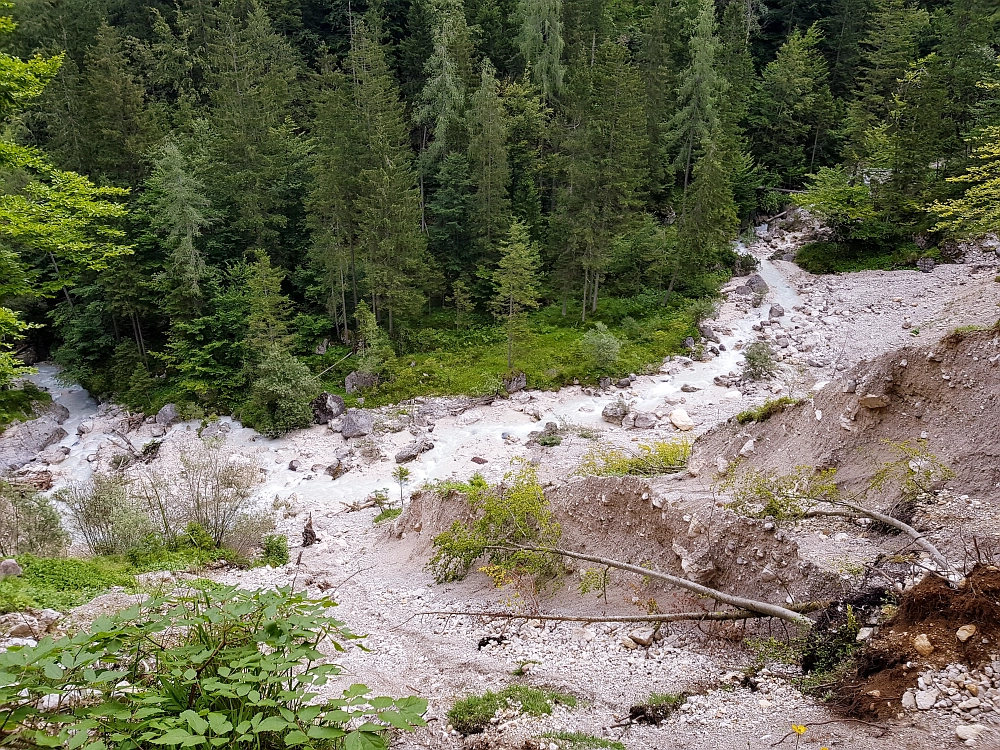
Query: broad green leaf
<point x="198" y="724"/>
<point x="271" y="724"/>
<point x="295" y="738"/>
<point x="359" y="740"/>
<point x="325" y="733"/>
<point x="173" y="737"/>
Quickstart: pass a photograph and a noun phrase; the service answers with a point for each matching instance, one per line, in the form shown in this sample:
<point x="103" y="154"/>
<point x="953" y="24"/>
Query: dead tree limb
<point x="763" y="608"/>
<point x="736" y="614"/>
<point x="852" y="510"/>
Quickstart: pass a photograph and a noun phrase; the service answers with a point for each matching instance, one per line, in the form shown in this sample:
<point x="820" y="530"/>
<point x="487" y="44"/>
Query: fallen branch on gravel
<point x="358" y="505"/>
<point x="736" y="614"/>
<point x="764" y="609"/>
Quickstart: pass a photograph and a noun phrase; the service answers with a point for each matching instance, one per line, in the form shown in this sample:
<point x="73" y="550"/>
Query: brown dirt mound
<point x="890" y="663"/>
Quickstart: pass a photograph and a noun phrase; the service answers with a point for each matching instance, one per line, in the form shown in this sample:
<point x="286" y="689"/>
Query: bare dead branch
<point x="763" y="608"/>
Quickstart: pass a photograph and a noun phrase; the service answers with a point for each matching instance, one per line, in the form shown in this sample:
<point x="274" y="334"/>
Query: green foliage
<point x="672" y="700"/>
<point x="29" y="524"/>
<point x="196" y="536"/>
<point x="549" y="441"/>
<point x="60" y="583"/>
<point x="274" y="550"/>
<point x="387" y="514"/>
<point x="767" y="410"/>
<point x="402" y="476"/>
<point x="764" y="493"/>
<point x="758" y="361"/>
<point x="849" y="257"/>
<point x="662" y="457"/>
<point x="601" y="346"/>
<point x="280" y="394"/>
<point x="220" y="666"/>
<point x="512" y="513"/>
<point x="581" y="741"/>
<point x="472" y="715"/>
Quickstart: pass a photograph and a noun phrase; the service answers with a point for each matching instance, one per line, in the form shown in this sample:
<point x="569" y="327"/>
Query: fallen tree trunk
<point x="736" y="614"/>
<point x="762" y="608"/>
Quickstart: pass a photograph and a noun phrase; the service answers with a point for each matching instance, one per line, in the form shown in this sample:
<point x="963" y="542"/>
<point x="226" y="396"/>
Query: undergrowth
<point x="766" y="410"/>
<point x="18" y="404"/>
<point x="663" y="457"/>
<point x="472" y="715"/>
<point x="387" y="515"/>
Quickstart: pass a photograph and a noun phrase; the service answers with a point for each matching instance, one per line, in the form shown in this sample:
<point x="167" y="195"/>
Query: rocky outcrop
<point x="326" y="407"/>
<point x="516" y="383"/>
<point x="23" y="442"/>
<point x="680" y="419"/>
<point x="614" y="412"/>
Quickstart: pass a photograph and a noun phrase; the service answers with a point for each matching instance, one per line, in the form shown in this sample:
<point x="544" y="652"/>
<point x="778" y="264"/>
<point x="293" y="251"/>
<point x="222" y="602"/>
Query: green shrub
<point x="549" y="441"/>
<point x="662" y="457"/>
<point x="759" y="361"/>
<point x="220" y="667"/>
<point x="280" y="394"/>
<point x="195" y="536"/>
<point x="601" y="346"/>
<point x="274" y="551"/>
<point x="514" y="512"/>
<point x="110" y="519"/>
<point x="766" y="410"/>
<point x="29" y="524"/>
<point x="472" y="715"/>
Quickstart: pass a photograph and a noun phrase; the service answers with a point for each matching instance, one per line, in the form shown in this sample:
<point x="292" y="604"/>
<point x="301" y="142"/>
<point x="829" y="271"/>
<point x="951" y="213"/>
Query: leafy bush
<point x="107" y="516"/>
<point x="550" y="441"/>
<point x="766" y="410"/>
<point x="280" y="394"/>
<point x="663" y="457"/>
<point x="218" y="667"/>
<point x="759" y="361"/>
<point x="29" y="524"/>
<point x="703" y="309"/>
<point x="513" y="512"/>
<point x="274" y="551"/>
<point x="472" y="715"/>
<point x="601" y="346"/>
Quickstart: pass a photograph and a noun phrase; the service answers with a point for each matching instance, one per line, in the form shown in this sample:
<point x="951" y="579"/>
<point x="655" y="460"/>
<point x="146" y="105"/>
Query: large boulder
<point x="644" y="420"/>
<point x="57" y="413"/>
<point x="414" y="449"/>
<point x="9" y="569"/>
<point x="357" y="423"/>
<point x="615" y="412"/>
<point x="680" y="419"/>
<point x="21" y="443"/>
<point x="326" y="407"/>
<point x="359" y="381"/>
<point x="167" y="415"/>
<point x="776" y="311"/>
<point x="708" y="334"/>
<point x="757" y="284"/>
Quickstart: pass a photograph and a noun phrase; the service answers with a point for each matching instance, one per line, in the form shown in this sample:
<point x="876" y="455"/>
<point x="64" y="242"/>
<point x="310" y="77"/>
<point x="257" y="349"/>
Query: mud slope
<point x="947" y="392"/>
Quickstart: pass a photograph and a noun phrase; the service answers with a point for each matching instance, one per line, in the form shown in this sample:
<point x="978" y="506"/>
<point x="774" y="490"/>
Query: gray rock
<point x="698" y="566"/>
<point x="21" y="443"/>
<point x="9" y="568"/>
<point x="873" y="401"/>
<point x="414" y="449"/>
<point x="604" y="383"/>
<point x="909" y="701"/>
<point x="642" y="636"/>
<point x="624" y="383"/>
<point x="335" y="469"/>
<point x="55" y="454"/>
<point x="708" y="334"/>
<point x="326" y="407"/>
<point x="644" y="421"/>
<point x="614" y="412"/>
<point x="516" y="383"/>
<point x="359" y="381"/>
<point x="167" y="415"/>
<point x="294" y="464"/>
<point x="969" y="732"/>
<point x="925" y="699"/>
<point x="776" y="311"/>
<point x="757" y="284"/>
<point x="689" y="388"/>
<point x="925" y="264"/>
<point x="216" y="429"/>
<point x="689" y="343"/>
<point x="357" y="423"/>
<point x="58" y="413"/>
<point x="84" y="427"/>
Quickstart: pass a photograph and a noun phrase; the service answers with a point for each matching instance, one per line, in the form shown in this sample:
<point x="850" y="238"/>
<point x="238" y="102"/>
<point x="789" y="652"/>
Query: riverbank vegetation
<point x="201" y="200"/>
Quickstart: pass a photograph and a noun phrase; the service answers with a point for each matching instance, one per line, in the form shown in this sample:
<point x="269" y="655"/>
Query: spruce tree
<point x="489" y="169"/>
<point x="516" y="282"/>
<point x="541" y="43"/>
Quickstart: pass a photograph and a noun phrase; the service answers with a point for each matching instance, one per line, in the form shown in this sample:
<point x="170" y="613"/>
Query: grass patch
<point x="61" y="583"/>
<point x="22" y="403"/>
<point x="472" y="715"/>
<point x="766" y="410"/>
<point x="387" y="515"/>
<point x="580" y="741"/>
<point x="549" y="441"/>
<point x="656" y="708"/>
<point x="664" y="457"/>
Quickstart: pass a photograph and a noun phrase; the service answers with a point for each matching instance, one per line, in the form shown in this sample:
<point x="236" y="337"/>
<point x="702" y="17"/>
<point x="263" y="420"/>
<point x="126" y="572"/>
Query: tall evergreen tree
<point x="490" y="171"/>
<point x="516" y="281"/>
<point x="541" y="44"/>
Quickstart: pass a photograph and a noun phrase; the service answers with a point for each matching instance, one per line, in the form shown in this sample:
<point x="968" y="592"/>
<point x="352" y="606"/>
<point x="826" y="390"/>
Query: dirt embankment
<point x="670" y="526"/>
<point x="946" y="392"/>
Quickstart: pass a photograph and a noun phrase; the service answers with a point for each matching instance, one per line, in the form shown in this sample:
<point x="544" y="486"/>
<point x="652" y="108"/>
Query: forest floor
<point x="826" y="329"/>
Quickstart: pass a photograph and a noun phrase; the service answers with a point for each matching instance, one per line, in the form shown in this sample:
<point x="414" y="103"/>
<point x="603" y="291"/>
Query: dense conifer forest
<point x="231" y="204"/>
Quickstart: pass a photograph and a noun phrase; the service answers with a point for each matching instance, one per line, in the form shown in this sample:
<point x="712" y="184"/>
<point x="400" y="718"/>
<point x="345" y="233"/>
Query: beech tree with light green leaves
<point x="516" y="282"/>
